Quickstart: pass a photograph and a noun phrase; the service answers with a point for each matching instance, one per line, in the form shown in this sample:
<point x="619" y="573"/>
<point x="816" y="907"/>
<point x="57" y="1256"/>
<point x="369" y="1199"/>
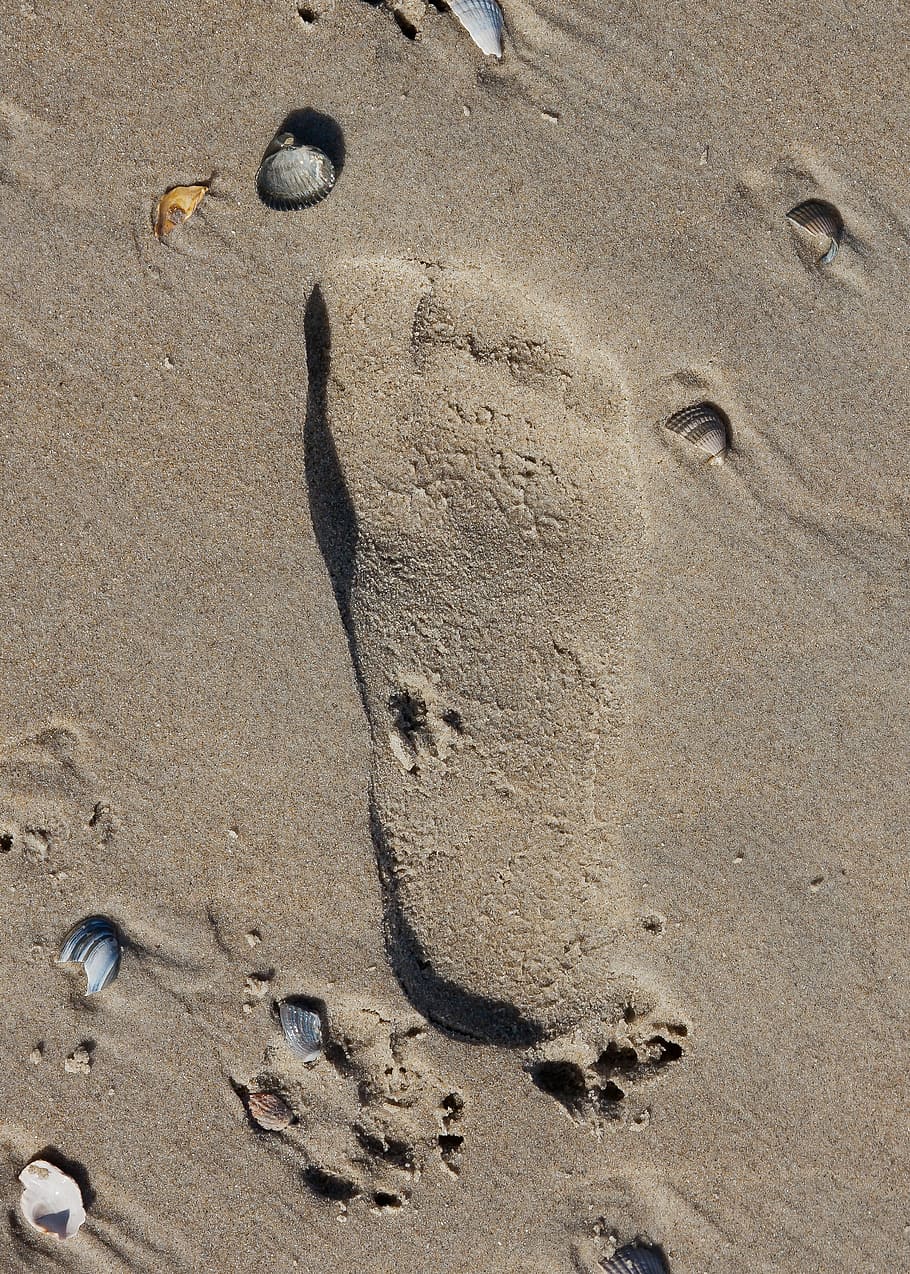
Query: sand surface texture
<point x="368" y="638"/>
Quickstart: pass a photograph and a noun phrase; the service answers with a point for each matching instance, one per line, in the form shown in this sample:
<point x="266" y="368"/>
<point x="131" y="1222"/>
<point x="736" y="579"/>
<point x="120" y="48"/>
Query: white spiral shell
<point x="483" y="21"/>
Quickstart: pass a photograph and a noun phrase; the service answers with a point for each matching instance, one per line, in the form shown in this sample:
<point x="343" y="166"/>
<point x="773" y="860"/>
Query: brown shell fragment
<point x="176" y="206"/>
<point x="704" y="425"/>
<point x="822" y="220"/>
<point x="269" y="1111"/>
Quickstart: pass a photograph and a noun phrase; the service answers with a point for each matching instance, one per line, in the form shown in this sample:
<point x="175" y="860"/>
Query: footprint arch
<point x="473" y="495"/>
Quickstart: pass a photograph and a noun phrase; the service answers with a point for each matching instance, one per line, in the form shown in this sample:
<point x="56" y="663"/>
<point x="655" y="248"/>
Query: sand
<point x="369" y="638"/>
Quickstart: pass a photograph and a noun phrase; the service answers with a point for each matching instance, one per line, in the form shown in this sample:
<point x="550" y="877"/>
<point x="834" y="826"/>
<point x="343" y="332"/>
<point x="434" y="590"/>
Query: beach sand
<point x="368" y="637"/>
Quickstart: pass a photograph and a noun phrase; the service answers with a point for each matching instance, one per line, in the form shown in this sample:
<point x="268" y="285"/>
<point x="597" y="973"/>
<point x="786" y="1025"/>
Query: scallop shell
<point x="269" y="1111"/>
<point x="301" y="1022"/>
<point x="51" y="1201"/>
<point x="636" y="1260"/>
<point x="482" y="19"/>
<point x="705" y="426"/>
<point x="293" y="176"/>
<point x="95" y="944"/>
<point x="821" y="219"/>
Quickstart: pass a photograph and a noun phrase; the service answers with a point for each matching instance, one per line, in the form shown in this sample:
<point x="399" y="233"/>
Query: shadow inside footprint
<point x="331" y="508"/>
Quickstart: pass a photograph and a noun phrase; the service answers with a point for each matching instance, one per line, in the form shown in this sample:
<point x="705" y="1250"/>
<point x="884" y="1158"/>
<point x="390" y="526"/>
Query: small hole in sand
<point x="6" y="842"/>
<point x="563" y="1080"/>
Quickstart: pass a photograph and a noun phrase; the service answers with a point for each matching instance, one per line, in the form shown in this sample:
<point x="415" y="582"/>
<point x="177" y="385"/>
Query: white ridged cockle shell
<point x="293" y="176"/>
<point x="704" y="425"/>
<point x="821" y="219"/>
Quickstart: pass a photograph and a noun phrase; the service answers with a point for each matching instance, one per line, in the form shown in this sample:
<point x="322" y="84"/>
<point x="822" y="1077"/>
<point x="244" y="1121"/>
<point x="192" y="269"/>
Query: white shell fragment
<point x="482" y="19"/>
<point x="636" y="1260"/>
<point x="95" y="944"/>
<point x="293" y="176"/>
<point x="51" y="1201"/>
<point x="705" y="426"/>
<point x="822" y="220"/>
<point x="302" y="1026"/>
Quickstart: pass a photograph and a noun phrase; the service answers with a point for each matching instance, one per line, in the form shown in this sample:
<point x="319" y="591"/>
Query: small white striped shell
<point x="293" y="176"/>
<point x="95" y="944"/>
<point x="704" y="425"/>
<point x="636" y="1260"/>
<point x="482" y="19"/>
<point x="301" y="1021"/>
<point x="51" y="1200"/>
<point x="821" y="219"/>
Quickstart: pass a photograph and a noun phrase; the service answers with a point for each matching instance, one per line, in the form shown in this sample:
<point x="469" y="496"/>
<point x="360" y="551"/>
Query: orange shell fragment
<point x="175" y="206"/>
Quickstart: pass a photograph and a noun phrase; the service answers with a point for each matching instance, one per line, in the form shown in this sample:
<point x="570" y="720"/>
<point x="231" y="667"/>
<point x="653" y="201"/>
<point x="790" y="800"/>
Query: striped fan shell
<point x="821" y="219"/>
<point x="482" y="19"/>
<point x="705" y="426"/>
<point x="301" y="1022"/>
<point x="636" y="1260"/>
<point x="292" y="176"/>
<point x="95" y="944"/>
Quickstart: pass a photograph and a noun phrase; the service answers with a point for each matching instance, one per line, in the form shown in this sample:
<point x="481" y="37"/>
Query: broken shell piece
<point x="301" y="1022"/>
<point x="176" y="206"/>
<point x="292" y="176"/>
<point x="634" y="1259"/>
<point x="95" y="944"/>
<point x="704" y="425"/>
<point x="822" y="220"/>
<point x="269" y="1111"/>
<point x="51" y="1201"/>
<point x="482" y="19"/>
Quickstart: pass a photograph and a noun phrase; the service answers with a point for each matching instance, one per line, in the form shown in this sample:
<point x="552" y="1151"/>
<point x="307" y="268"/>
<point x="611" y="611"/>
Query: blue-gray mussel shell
<point x="293" y="176"/>
<point x="823" y="220"/>
<point x="482" y="19"/>
<point x="95" y="944"/>
<point x="634" y="1259"/>
<point x="704" y="425"/>
<point x="301" y="1021"/>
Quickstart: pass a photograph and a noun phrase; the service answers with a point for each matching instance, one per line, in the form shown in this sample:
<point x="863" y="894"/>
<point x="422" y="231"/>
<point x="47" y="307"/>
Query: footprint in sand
<point x="473" y="496"/>
<point x="371" y="1116"/>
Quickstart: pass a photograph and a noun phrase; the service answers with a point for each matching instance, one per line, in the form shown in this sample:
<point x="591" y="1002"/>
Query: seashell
<point x="51" y="1201"/>
<point x="482" y="19"/>
<point x="301" y="1022"/>
<point x="706" y="426"/>
<point x="176" y="206"/>
<point x="821" y="219"/>
<point x="95" y="944"/>
<point x="635" y="1259"/>
<point x="269" y="1111"/>
<point x="293" y="176"/>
